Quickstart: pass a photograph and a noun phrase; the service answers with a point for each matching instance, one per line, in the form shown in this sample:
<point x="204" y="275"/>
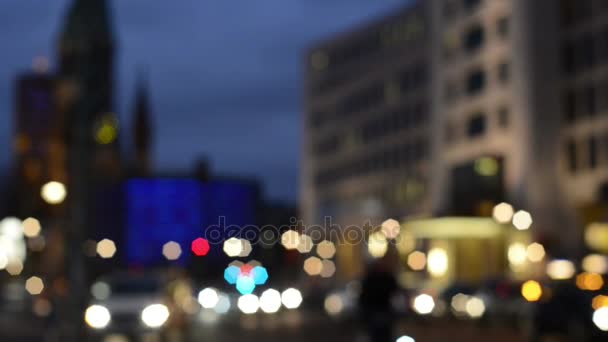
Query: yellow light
<point x="600" y="318"/>
<point x="424" y="304"/>
<point x="31" y="227"/>
<point x="599" y="301"/>
<point x="326" y="249"/>
<point x="486" y="166"/>
<point x="517" y="254"/>
<point x="245" y="248"/>
<point x="405" y="242"/>
<point x="172" y="250"/>
<point x="437" y="262"/>
<point x="34" y="285"/>
<point x="531" y="290"/>
<point x="536" y="252"/>
<point x="502" y="213"/>
<point x="589" y="281"/>
<point x="305" y="244"/>
<point x="106" y="248"/>
<point x="291" y="298"/>
<point x="560" y="269"/>
<point x="328" y="269"/>
<point x="377" y="246"/>
<point x="14" y="267"/>
<point x="313" y="266"/>
<point x="522" y="220"/>
<point x="270" y="301"/>
<point x="391" y="228"/>
<point x="97" y="316"/>
<point x="596" y="236"/>
<point x="416" y="260"/>
<point x="233" y="247"/>
<point x="107" y="130"/>
<point x="459" y="303"/>
<point x="53" y="192"/>
<point x="290" y="239"/>
<point x="333" y="305"/>
<point x="595" y="263"/>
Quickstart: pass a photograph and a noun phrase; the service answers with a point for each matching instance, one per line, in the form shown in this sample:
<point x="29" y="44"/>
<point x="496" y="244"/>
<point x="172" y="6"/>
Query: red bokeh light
<point x="246" y="269"/>
<point x="200" y="247"/>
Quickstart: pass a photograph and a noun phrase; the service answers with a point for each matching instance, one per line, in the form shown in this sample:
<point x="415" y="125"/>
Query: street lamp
<point x="53" y="192"/>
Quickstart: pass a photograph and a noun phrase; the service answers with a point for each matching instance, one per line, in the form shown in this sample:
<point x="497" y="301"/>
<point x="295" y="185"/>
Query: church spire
<point x="142" y="130"/>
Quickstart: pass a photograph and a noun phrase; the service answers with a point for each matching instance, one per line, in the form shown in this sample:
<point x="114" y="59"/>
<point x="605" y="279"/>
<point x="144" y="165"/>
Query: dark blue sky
<point x="225" y="75"/>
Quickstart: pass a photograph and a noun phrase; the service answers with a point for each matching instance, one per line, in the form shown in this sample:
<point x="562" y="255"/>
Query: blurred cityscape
<point x="453" y="184"/>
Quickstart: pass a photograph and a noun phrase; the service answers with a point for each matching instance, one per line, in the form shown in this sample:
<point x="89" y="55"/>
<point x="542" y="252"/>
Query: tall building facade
<point x="367" y="128"/>
<point x="496" y="80"/>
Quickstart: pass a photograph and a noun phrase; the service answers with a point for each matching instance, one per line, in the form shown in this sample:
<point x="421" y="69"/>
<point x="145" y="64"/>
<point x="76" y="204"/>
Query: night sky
<point x="225" y="76"/>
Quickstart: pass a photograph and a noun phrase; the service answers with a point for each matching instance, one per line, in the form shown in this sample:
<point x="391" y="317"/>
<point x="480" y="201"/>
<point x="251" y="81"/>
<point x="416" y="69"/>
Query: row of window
<point x="475" y="82"/>
<point x="477" y="125"/>
<point x="585" y="101"/>
<point x="451" y="8"/>
<point x="392" y="157"/>
<point x="407" y="81"/>
<point x="585" y="51"/>
<point x="590" y="156"/>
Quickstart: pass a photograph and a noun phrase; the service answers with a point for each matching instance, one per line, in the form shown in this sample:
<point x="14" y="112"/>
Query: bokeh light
<point x="106" y="248"/>
<point x="535" y="252"/>
<point x="522" y="220"/>
<point x="248" y="304"/>
<point x="305" y="244"/>
<point x="172" y="250"/>
<point x="531" y="290"/>
<point x="595" y="263"/>
<point x="377" y="246"/>
<point x="100" y="290"/>
<point x="600" y="318"/>
<point x="502" y="213"/>
<point x="200" y="247"/>
<point x="223" y="304"/>
<point x="459" y="303"/>
<point x="405" y="338"/>
<point x="390" y="228"/>
<point x="97" y="316"/>
<point x="231" y="274"/>
<point x="155" y="315"/>
<point x="333" y="304"/>
<point x="560" y="269"/>
<point x="245" y="284"/>
<point x="423" y="304"/>
<point x="290" y="239"/>
<point x="233" y="247"/>
<point x="517" y="254"/>
<point x="599" y="301"/>
<point x="475" y="307"/>
<point x="326" y="249"/>
<point x="31" y="227"/>
<point x="291" y="298"/>
<point x="589" y="281"/>
<point x="437" y="262"/>
<point x="245" y="248"/>
<point x="3" y="260"/>
<point x="328" y="268"/>
<point x="313" y="266"/>
<point x="14" y="267"/>
<point x="270" y="301"/>
<point x="486" y="166"/>
<point x="53" y="192"/>
<point x="107" y="129"/>
<point x="208" y="298"/>
<point x="34" y="285"/>
<point x="416" y="260"/>
<point x="260" y="275"/>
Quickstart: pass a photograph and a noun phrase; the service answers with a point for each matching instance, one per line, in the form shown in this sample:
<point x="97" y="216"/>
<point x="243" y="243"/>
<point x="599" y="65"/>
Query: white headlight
<point x="155" y="315"/>
<point x="97" y="316"/>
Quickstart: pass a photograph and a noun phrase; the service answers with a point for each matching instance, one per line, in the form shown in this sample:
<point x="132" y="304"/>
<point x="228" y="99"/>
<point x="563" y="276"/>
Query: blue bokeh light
<point x="245" y="284"/>
<point x="260" y="275"/>
<point x="231" y="274"/>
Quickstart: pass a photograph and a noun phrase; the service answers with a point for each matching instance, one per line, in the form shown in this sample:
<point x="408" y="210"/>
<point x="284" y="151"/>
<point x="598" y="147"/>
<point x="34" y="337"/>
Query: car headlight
<point x="97" y="316"/>
<point x="155" y="315"/>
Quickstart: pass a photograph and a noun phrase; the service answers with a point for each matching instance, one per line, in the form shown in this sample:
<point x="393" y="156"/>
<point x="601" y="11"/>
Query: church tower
<point x="142" y="129"/>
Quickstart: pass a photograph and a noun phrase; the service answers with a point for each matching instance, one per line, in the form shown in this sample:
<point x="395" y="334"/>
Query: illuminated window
<point x="476" y="81"/>
<point x="474" y="38"/>
<point x="476" y="125"/>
